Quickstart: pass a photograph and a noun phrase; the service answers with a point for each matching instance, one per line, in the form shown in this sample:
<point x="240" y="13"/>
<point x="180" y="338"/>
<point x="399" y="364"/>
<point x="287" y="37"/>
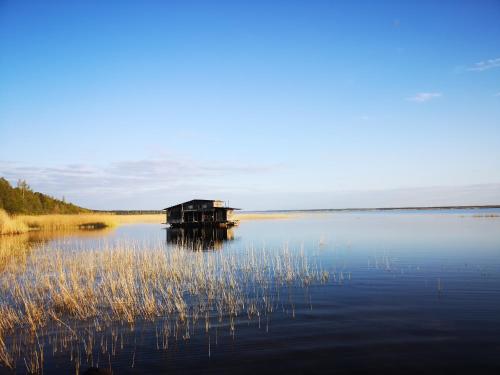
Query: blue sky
<point x="267" y="104"/>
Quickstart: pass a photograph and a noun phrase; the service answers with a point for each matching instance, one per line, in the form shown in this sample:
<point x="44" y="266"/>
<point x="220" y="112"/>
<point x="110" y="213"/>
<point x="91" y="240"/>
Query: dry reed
<point x="62" y="222"/>
<point x="11" y="225"/>
<point x="125" y="284"/>
<point x="24" y="223"/>
<point x="486" y="215"/>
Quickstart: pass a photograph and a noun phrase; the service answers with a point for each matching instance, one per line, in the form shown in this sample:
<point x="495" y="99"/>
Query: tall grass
<point x="139" y="218"/>
<point x="24" y="223"/>
<point x="11" y="225"/>
<point x="17" y="248"/>
<point x="14" y="249"/>
<point x="62" y="222"/>
<point x="125" y="284"/>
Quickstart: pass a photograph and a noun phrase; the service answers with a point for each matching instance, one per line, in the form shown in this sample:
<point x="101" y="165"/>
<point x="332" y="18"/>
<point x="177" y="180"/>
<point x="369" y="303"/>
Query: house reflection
<point x="200" y="238"/>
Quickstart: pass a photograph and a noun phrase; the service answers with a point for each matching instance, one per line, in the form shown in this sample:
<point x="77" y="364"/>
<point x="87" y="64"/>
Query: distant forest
<point x="23" y="200"/>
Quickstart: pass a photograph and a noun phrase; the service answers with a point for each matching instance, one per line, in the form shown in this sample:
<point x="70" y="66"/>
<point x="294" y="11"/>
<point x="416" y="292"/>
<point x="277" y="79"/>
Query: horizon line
<point x="454" y="207"/>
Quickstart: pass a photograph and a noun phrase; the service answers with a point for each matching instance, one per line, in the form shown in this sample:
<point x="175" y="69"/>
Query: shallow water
<point x="414" y="292"/>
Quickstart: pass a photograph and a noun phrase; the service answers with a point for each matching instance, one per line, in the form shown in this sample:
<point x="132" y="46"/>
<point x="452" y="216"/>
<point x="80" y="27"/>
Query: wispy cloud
<point x="497" y="94"/>
<point x="128" y="181"/>
<point x="424" y="96"/>
<point x="363" y="117"/>
<point x="485" y="65"/>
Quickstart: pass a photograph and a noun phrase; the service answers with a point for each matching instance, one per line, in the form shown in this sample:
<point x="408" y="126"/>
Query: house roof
<point x="201" y="200"/>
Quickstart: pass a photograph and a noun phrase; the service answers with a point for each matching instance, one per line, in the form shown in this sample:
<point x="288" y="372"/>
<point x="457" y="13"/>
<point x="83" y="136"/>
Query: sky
<point x="264" y="104"/>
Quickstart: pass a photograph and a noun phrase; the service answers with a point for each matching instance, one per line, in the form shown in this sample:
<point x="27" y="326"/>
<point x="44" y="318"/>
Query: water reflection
<point x="399" y="279"/>
<point x="16" y="248"/>
<point x="199" y="238"/>
<point x="86" y="307"/>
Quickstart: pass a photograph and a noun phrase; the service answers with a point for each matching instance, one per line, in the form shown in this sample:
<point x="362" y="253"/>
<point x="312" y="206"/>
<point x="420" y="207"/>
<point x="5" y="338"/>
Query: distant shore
<point x="244" y="212"/>
<point x="362" y="209"/>
<point x="153" y="215"/>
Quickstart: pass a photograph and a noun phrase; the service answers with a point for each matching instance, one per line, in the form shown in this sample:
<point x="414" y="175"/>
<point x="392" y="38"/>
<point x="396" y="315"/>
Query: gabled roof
<point x="201" y="200"/>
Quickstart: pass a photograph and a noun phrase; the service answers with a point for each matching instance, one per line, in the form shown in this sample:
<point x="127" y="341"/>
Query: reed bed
<point x="62" y="222"/>
<point x="15" y="249"/>
<point x="125" y="284"/>
<point x="11" y="225"/>
<point x="24" y="223"/>
<point x="139" y="218"/>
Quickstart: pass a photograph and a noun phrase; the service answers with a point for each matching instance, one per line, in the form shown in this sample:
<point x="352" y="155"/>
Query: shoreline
<point x="409" y="208"/>
<point x="375" y="209"/>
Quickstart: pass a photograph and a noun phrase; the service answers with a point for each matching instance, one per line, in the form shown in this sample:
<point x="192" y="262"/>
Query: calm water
<point x="414" y="293"/>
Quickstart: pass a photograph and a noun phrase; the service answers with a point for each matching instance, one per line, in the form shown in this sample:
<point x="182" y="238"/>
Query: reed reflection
<point x="15" y="249"/>
<point x="199" y="238"/>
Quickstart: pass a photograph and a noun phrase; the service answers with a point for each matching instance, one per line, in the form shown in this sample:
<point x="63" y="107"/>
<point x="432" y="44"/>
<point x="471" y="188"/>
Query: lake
<point x="406" y="292"/>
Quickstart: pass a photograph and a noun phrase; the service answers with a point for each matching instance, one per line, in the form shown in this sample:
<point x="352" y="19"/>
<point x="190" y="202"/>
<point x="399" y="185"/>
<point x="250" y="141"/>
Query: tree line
<point x="23" y="200"/>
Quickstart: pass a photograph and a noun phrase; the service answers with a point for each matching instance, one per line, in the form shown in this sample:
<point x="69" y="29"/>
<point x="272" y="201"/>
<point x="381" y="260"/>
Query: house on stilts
<point x="200" y="212"/>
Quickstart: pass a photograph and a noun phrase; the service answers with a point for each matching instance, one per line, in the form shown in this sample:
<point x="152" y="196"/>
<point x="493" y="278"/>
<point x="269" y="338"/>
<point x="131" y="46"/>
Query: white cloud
<point x="127" y="183"/>
<point x="424" y="96"/>
<point x="485" y="65"/>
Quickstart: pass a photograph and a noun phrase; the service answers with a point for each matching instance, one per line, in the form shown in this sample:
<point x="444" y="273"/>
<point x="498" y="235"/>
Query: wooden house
<point x="200" y="212"/>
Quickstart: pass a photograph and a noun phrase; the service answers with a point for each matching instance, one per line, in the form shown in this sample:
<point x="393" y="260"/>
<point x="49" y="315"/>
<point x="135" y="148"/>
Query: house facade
<point x="199" y="212"/>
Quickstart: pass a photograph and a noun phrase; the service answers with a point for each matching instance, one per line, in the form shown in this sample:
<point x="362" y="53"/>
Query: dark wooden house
<point x="200" y="212"/>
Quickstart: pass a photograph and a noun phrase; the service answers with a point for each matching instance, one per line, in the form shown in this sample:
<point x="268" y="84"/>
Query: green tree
<point x="23" y="200"/>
